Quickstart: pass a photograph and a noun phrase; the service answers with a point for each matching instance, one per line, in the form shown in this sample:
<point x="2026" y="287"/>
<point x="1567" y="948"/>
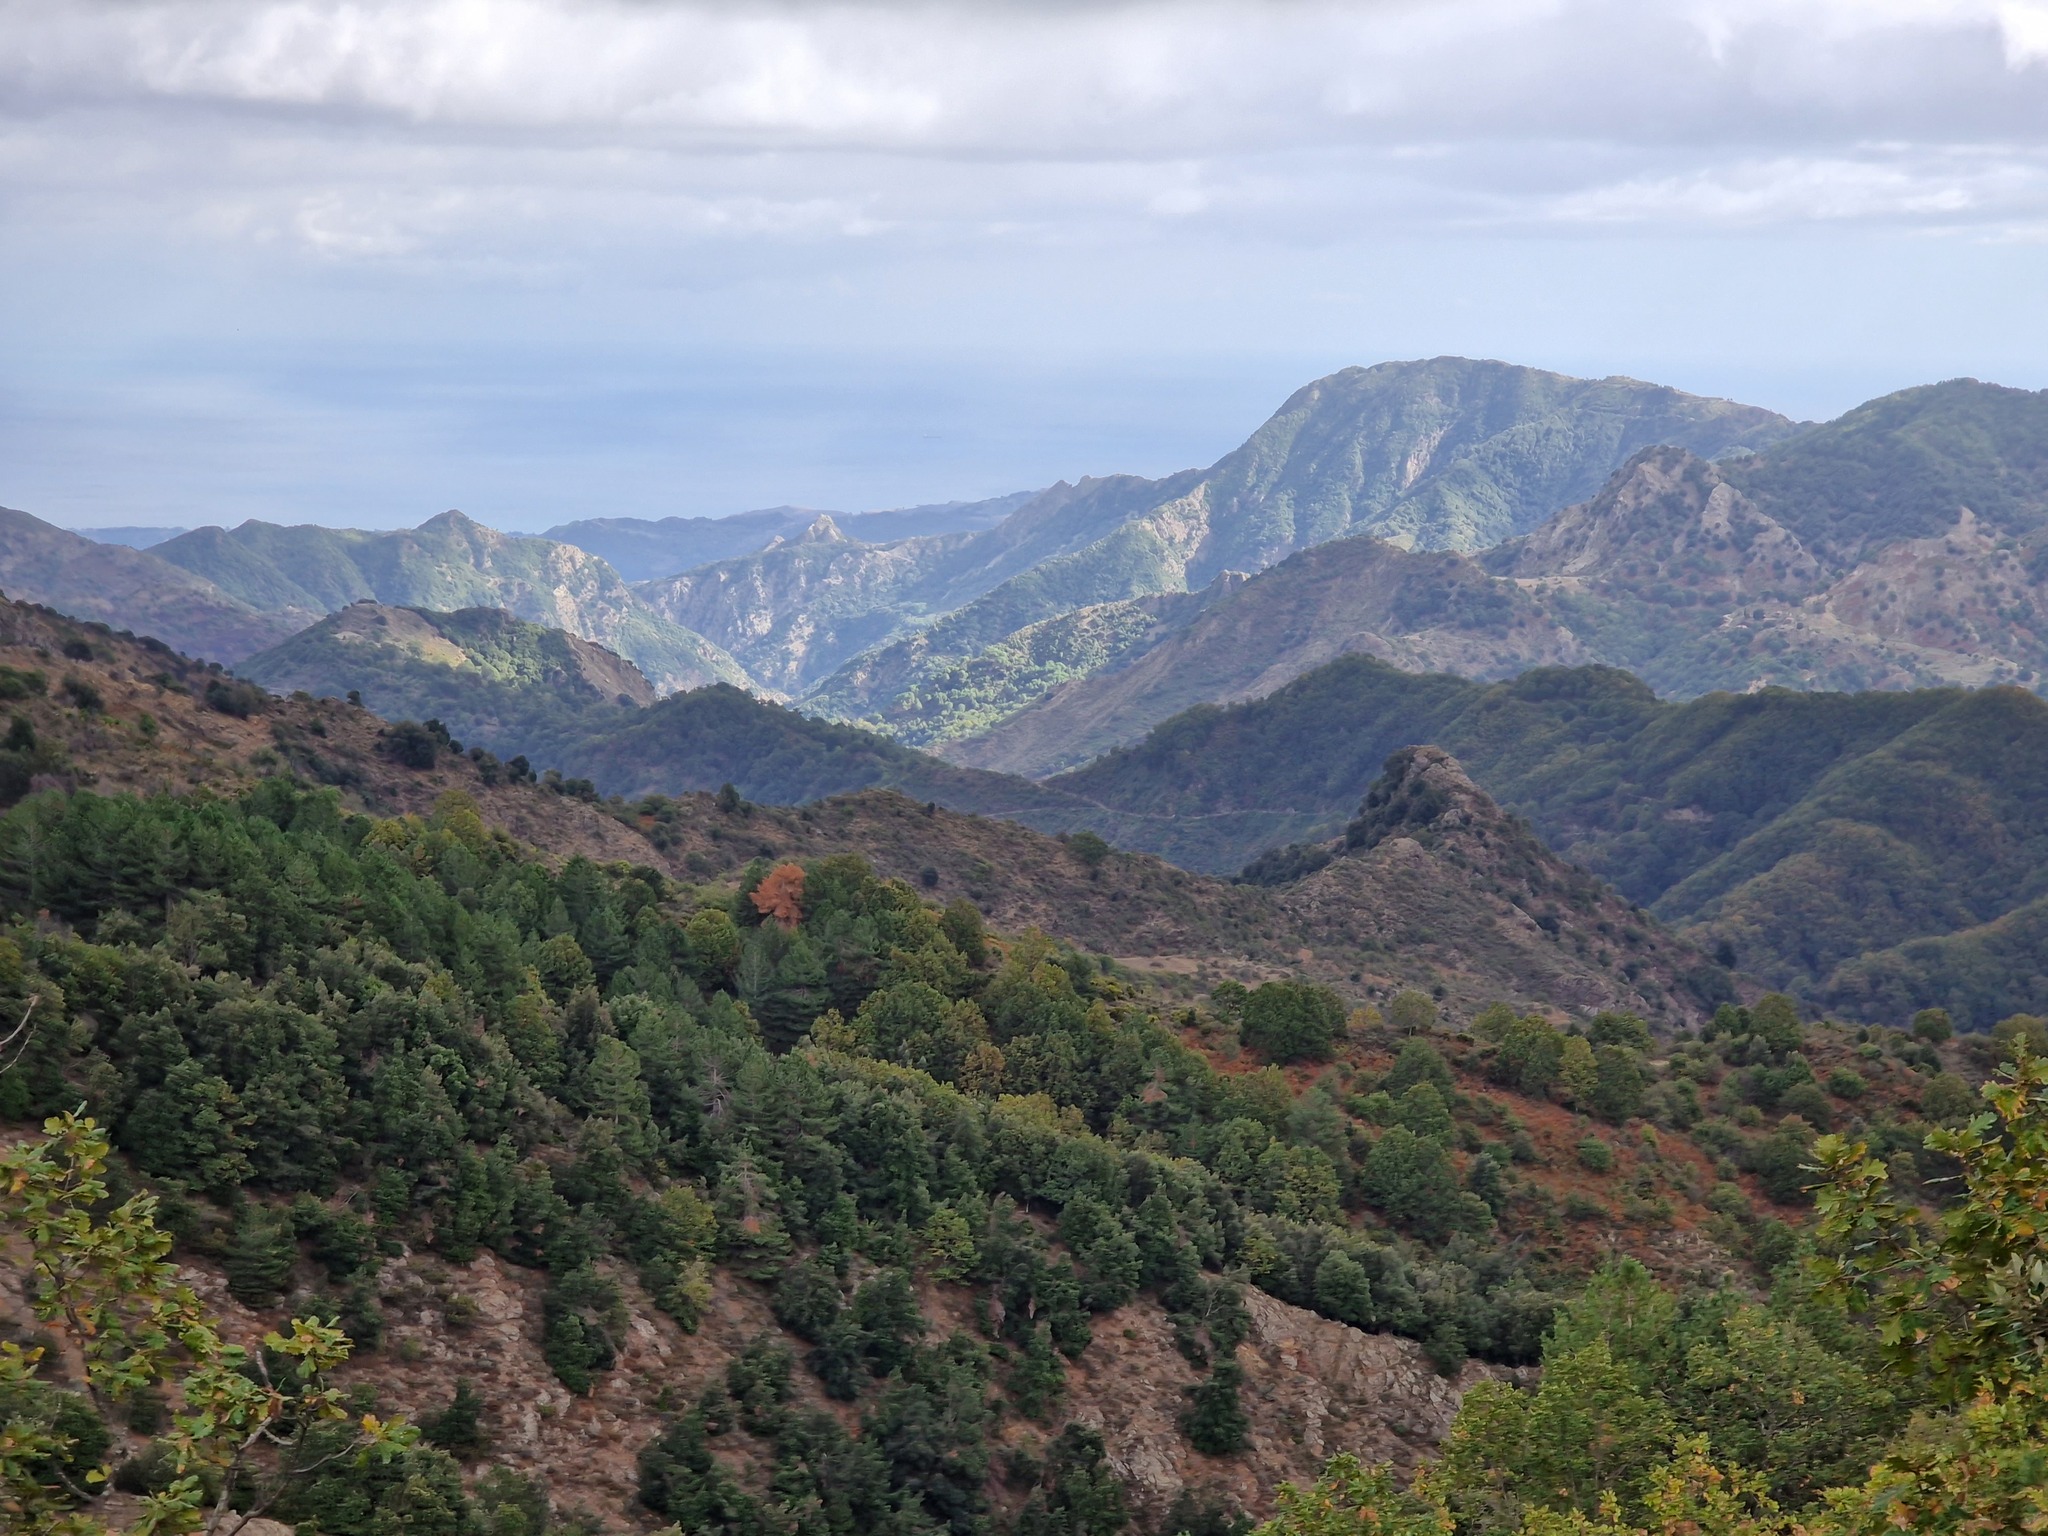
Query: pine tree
<point x="260" y="1255"/>
<point x="458" y="1428"/>
<point x="1215" y="1423"/>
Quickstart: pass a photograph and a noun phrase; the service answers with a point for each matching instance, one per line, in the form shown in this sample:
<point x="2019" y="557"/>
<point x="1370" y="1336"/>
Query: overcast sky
<point x="357" y="263"/>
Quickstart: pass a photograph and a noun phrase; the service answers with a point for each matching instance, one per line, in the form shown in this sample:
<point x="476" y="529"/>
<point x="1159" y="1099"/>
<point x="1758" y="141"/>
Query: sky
<point x="356" y="263"/>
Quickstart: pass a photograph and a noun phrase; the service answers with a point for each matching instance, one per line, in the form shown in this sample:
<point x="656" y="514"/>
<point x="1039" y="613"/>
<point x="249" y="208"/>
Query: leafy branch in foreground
<point x="105" y="1287"/>
<point x="1961" y="1302"/>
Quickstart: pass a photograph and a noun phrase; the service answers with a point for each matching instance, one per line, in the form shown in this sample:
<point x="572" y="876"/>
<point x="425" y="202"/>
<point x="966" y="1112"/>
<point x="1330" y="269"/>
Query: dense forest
<point x="321" y="1038"/>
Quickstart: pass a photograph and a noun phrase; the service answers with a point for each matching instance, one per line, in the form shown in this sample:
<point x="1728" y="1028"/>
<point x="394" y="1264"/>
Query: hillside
<point x="129" y="589"/>
<point x="1784" y="830"/>
<point x="646" y="549"/>
<point x="490" y="678"/>
<point x="712" y="1178"/>
<point x="1805" y="831"/>
<point x="449" y="562"/>
<point x="1424" y="611"/>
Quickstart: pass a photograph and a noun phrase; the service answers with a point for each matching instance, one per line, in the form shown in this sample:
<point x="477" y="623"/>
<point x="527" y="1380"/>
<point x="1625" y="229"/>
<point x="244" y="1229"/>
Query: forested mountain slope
<point x="1806" y="831"/>
<point x="448" y="562"/>
<point x="1875" y="851"/>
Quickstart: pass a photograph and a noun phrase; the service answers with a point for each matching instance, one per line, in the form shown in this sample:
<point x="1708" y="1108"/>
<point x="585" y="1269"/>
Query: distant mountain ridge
<point x="643" y="549"/>
<point x="1801" y="565"/>
<point x="129" y="589"/>
<point x="449" y="562"/>
<point x="1443" y="453"/>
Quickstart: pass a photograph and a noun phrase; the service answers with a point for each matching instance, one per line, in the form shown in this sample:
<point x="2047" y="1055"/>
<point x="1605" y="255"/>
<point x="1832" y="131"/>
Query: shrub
<point x="1088" y="847"/>
<point x="1419" y="1062"/>
<point x="1947" y="1100"/>
<point x="411" y="745"/>
<point x="232" y="696"/>
<point x="22" y="683"/>
<point x="1807" y="1102"/>
<point x="1596" y="1155"/>
<point x="1932" y="1025"/>
<point x="1847" y="1083"/>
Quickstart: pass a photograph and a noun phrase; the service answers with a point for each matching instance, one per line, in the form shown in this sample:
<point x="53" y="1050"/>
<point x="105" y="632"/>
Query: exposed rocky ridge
<point x="643" y="549"/>
<point x="1690" y="574"/>
<point x="793" y="612"/>
<point x="1447" y="453"/>
<point x="1432" y="865"/>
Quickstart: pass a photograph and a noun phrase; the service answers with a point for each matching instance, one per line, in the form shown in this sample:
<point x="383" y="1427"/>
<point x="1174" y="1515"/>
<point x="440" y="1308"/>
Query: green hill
<point x="1902" y="466"/>
<point x="500" y="682"/>
<point x="449" y="562"/>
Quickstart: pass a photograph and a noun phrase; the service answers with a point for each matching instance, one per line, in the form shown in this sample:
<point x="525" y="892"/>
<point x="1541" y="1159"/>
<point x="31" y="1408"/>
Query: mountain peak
<point x="823" y="531"/>
<point x="1421" y="792"/>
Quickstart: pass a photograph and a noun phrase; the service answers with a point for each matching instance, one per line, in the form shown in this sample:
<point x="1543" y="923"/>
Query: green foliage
<point x="1588" y="1431"/>
<point x="1955" y="1293"/>
<point x="1293" y="1020"/>
<point x="1418" y="1062"/>
<point x="1795" y="820"/>
<point x="458" y="1428"/>
<point x="1215" y="1422"/>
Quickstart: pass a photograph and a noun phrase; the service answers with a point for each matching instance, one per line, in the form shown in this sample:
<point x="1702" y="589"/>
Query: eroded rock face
<point x="1312" y="1387"/>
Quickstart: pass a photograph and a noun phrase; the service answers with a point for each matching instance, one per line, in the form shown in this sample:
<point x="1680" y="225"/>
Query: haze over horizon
<point x="356" y="264"/>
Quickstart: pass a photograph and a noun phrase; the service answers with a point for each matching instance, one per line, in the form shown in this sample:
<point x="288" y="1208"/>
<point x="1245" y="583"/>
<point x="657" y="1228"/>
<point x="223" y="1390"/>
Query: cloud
<point x="384" y="130"/>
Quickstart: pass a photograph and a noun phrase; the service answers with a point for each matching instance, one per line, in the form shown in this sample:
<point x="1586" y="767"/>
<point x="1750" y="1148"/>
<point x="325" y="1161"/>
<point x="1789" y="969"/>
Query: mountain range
<point x="1414" y="553"/>
<point x="1448" y="453"/>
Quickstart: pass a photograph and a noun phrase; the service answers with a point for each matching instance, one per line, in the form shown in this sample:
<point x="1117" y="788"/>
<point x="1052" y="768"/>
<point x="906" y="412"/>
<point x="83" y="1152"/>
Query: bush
<point x="1947" y="1100"/>
<point x="1419" y="1062"/>
<point x="1215" y="1422"/>
<point x="232" y="696"/>
<point x="1088" y="847"/>
<point x="1596" y="1155"/>
<point x="1847" y="1083"/>
<point x="21" y="684"/>
<point x="1293" y="1020"/>
<point x="1807" y="1102"/>
<point x="411" y="745"/>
